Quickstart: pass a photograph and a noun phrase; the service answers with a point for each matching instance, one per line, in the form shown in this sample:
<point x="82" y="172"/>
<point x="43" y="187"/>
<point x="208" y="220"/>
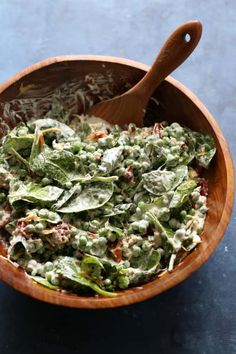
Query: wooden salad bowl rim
<point x="19" y="280"/>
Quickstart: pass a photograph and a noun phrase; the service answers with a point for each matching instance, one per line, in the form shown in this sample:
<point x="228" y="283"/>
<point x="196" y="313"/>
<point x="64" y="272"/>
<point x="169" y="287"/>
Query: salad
<point x="90" y="208"/>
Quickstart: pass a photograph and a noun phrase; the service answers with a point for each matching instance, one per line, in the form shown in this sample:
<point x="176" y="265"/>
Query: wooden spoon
<point x="130" y="106"/>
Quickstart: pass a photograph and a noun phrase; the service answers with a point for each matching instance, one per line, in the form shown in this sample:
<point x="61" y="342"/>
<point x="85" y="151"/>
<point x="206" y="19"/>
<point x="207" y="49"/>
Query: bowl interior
<point x="176" y="103"/>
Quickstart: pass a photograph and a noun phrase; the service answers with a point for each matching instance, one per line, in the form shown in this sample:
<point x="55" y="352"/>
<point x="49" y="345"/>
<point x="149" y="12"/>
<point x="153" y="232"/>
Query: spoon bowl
<point x="130" y="107"/>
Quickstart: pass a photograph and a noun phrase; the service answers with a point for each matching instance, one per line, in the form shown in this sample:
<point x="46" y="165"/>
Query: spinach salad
<point x="90" y="208"/>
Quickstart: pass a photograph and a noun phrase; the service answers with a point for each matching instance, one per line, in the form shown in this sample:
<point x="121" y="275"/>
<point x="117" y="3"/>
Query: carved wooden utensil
<point x="130" y="106"/>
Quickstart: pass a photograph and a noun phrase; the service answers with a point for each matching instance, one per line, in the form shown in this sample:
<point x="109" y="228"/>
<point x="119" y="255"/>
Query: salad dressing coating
<point x="91" y="208"/>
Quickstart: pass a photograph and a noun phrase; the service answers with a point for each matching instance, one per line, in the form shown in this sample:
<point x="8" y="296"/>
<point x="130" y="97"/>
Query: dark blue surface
<point x="199" y="315"/>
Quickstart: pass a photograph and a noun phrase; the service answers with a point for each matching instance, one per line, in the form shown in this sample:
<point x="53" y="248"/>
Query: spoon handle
<point x="174" y="52"/>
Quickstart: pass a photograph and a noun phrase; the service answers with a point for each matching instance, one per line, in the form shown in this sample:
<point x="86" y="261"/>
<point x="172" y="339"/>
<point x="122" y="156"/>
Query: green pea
<point x="76" y="146"/>
<point x="39" y="227"/>
<point x="46" y="181"/>
<point x="107" y="282"/>
<point x="30" y="228"/>
<point x="136" y="250"/>
<point x="68" y="185"/>
<point x="75" y="244"/>
<point x="192" y="212"/>
<point x="83" y="157"/>
<point x="142" y="228"/>
<point x="92" y="166"/>
<point x="120" y="171"/>
<point x="85" y="226"/>
<point x="136" y="165"/>
<point x="91" y="148"/>
<point x="73" y="231"/>
<point x="123" y="282"/>
<point x="129" y="162"/>
<point x="83" y="241"/>
<point x="145" y="165"/>
<point x="111" y="236"/>
<point x="103" y="232"/>
<point x="43" y="213"/>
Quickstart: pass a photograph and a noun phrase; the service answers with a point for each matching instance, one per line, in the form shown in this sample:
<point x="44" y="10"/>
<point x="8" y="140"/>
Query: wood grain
<point x="131" y="105"/>
<point x="176" y="103"/>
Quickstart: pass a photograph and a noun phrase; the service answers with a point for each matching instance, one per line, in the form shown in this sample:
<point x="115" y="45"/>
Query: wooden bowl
<point x="177" y="103"/>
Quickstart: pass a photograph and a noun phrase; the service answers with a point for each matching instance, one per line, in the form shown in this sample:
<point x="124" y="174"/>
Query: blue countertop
<point x="199" y="315"/>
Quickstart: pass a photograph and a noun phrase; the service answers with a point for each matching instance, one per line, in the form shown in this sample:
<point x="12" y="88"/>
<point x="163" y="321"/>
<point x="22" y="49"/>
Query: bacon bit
<point x="60" y="234"/>
<point x="129" y="174"/>
<point x="204" y="186"/>
<point x="157" y="129"/>
<point x="96" y="135"/>
<point x="91" y="234"/>
<point x="41" y="140"/>
<point x="117" y="254"/>
<point x="21" y="226"/>
<point x="116" y="251"/>
<point x="199" y="169"/>
<point x="183" y="146"/>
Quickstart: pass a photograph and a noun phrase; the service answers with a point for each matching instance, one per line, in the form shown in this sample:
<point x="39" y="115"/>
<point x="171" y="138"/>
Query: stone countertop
<point x="199" y="315"/>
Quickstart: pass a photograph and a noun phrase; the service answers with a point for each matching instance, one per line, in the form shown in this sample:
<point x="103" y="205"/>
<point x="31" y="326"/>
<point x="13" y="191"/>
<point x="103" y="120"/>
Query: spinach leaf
<point x="76" y="189"/>
<point x="20" y="158"/>
<point x="111" y="158"/>
<point x="55" y="165"/>
<point x="153" y="259"/>
<point x="67" y="268"/>
<point x="138" y="276"/>
<point x="182" y="193"/>
<point x="44" y="282"/>
<point x="18" y="247"/>
<point x="36" y="146"/>
<point x="205" y="149"/>
<point x="91" y="267"/>
<point x="115" y="230"/>
<point x="164" y="230"/>
<point x="93" y="196"/>
<point x="32" y="192"/>
<point x="181" y="172"/>
<point x="157" y="207"/>
<point x="12" y="140"/>
<point x="46" y="123"/>
<point x="159" y="181"/>
<point x="88" y="179"/>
